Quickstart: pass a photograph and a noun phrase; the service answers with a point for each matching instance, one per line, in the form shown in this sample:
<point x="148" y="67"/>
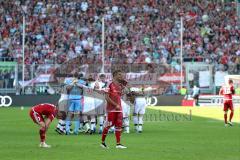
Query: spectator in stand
<point x="135" y="31"/>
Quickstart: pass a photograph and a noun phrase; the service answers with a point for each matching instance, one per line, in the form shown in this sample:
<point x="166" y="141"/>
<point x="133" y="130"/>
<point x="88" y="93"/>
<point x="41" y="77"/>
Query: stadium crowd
<point x="135" y="32"/>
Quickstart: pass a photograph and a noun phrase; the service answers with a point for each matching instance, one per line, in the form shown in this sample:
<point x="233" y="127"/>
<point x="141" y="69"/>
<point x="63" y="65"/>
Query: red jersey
<point x="227" y="92"/>
<point x="46" y="109"/>
<point x="115" y="93"/>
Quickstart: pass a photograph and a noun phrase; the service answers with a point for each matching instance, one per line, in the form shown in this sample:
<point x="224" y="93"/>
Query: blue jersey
<point x="75" y="92"/>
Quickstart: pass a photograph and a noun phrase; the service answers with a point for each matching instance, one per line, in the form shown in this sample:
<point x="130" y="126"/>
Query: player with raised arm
<point x="114" y="109"/>
<point x="75" y="95"/>
<point x="227" y="91"/>
<point x="43" y="115"/>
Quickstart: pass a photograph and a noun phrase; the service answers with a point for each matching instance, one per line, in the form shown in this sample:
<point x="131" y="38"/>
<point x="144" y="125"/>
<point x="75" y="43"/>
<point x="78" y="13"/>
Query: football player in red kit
<point x="227" y="91"/>
<point x="114" y="109"/>
<point x="43" y="115"/>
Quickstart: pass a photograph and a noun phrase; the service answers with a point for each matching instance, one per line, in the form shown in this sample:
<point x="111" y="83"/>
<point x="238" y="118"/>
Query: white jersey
<point x="89" y="103"/>
<point x="100" y="102"/>
<point x="63" y="97"/>
<point x="63" y="100"/>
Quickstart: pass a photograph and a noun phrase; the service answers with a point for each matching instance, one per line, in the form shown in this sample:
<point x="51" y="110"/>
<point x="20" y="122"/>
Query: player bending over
<point x="227" y="91"/>
<point x="43" y="115"/>
<point x="114" y="109"/>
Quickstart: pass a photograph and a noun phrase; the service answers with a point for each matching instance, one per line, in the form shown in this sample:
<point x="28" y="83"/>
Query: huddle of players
<point x="43" y="114"/>
<point x="81" y="109"/>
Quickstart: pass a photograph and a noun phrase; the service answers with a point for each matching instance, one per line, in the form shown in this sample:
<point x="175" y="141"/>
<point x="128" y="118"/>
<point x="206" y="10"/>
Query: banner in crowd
<point x="171" y="77"/>
<point x="42" y="78"/>
<point x="7" y="66"/>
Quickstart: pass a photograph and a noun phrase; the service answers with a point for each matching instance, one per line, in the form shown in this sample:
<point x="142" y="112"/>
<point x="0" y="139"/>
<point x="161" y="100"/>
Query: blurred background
<point x="165" y="45"/>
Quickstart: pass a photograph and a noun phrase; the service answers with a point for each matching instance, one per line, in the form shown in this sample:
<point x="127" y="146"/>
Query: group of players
<point x="114" y="113"/>
<point x="78" y="105"/>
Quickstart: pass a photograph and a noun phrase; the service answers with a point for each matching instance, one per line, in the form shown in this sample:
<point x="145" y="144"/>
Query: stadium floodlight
<point x="24" y="11"/>
<point x="103" y="37"/>
<point x="181" y="50"/>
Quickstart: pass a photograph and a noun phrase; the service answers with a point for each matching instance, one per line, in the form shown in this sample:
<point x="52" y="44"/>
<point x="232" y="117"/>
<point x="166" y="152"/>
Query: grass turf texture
<point x="200" y="138"/>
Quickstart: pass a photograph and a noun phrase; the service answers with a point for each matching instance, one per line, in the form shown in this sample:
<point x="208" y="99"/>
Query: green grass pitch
<point x="198" y="139"/>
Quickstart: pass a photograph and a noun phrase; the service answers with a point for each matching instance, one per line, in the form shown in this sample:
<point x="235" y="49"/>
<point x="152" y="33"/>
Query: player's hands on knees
<point x="117" y="107"/>
<point x="48" y="122"/>
<point x="42" y="125"/>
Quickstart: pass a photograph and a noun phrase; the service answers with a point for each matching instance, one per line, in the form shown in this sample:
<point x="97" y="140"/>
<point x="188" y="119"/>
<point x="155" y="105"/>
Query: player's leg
<point x="62" y="107"/>
<point x="81" y="123"/>
<point x="70" y="114"/>
<point x="86" y="123"/>
<point x="225" y="110"/>
<point x="126" y="120"/>
<point x="60" y="126"/>
<point x="107" y="124"/>
<point x="135" y="121"/>
<point x="42" y="133"/>
<point x="140" y="118"/>
<point x="140" y="125"/>
<point x="118" y="116"/>
<point x="100" y="107"/>
<point x="101" y="121"/>
<point x="135" y="116"/>
<point x="38" y="119"/>
<point x="77" y="109"/>
<point x="93" y="123"/>
<point x="126" y="124"/>
<point x="231" y="113"/>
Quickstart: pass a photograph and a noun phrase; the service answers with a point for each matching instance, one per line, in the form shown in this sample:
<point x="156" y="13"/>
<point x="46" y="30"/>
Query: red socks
<point x="104" y="133"/>
<point x="225" y="118"/>
<point x="42" y="133"/>
<point x="231" y="116"/>
<point x="118" y="135"/>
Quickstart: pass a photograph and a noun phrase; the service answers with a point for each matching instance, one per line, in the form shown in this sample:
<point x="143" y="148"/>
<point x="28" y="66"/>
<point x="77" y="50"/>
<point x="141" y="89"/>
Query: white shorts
<point x="140" y="105"/>
<point x="125" y="108"/>
<point x="63" y="103"/>
<point x="88" y="105"/>
<point x="100" y="105"/>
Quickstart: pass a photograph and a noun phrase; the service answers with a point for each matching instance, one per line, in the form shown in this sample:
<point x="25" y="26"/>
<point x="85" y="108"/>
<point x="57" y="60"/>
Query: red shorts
<point x="114" y="119"/>
<point x="227" y="104"/>
<point x="36" y="117"/>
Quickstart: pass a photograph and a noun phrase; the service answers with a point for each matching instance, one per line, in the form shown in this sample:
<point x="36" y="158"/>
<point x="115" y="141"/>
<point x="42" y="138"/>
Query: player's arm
<point x="233" y="90"/>
<point x="221" y="91"/>
<point x="48" y="122"/>
<point x="81" y="86"/>
<point x="109" y="100"/>
<point x="69" y="87"/>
